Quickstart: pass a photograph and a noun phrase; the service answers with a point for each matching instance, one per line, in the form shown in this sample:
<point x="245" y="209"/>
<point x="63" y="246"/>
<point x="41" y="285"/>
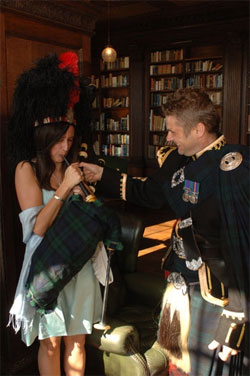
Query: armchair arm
<point x="120" y="339"/>
<point x="157" y="359"/>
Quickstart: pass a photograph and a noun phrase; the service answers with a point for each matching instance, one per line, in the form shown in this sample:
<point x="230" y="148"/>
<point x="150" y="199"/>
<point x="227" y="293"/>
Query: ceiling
<point x="124" y="18"/>
<point x="128" y="11"/>
<point x="124" y="9"/>
<point x="127" y="19"/>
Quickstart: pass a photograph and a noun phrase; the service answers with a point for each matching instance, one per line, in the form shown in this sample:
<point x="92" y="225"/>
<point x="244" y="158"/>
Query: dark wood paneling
<point x="136" y="102"/>
<point x="21" y="55"/>
<point x="245" y="94"/>
<point x="31" y="29"/>
<point x="233" y="58"/>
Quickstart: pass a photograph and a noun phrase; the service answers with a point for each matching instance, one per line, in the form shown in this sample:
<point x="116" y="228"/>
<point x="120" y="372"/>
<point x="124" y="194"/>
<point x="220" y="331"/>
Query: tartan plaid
<point x="234" y="190"/>
<point x="204" y="322"/>
<point x="67" y="245"/>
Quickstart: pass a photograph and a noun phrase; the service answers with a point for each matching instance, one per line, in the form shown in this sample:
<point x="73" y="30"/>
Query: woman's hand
<point x="72" y="176"/>
<point x="91" y="172"/>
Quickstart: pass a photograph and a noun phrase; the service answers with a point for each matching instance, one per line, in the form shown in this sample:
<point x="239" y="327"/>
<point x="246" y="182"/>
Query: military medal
<point x="191" y="191"/>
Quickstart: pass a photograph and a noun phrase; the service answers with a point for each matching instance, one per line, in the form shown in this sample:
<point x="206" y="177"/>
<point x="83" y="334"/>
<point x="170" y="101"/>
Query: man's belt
<point x="184" y="244"/>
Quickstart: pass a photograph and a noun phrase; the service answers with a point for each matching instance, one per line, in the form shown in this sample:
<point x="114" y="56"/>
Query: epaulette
<point x="163" y="153"/>
<point x="230" y="161"/>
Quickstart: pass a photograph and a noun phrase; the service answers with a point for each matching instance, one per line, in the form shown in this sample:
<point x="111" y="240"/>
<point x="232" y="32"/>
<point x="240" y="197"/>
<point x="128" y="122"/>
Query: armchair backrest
<point x="125" y="261"/>
<point x="132" y="229"/>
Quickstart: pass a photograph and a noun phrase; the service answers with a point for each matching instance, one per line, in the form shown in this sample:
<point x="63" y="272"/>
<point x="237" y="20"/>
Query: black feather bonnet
<point x="48" y="90"/>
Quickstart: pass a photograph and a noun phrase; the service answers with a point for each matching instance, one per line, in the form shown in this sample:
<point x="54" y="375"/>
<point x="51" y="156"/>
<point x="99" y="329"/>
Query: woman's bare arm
<point x="29" y="194"/>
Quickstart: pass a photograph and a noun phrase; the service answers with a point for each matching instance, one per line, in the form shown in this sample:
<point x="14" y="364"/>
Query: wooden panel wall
<point x="21" y="54"/>
<point x="23" y="41"/>
<point x="233" y="80"/>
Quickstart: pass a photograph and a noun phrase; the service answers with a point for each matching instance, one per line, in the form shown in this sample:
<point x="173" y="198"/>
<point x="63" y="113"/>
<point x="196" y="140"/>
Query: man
<point x="206" y="183"/>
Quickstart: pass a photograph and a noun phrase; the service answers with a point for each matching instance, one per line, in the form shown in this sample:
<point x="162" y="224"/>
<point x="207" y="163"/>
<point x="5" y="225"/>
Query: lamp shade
<point x="109" y="54"/>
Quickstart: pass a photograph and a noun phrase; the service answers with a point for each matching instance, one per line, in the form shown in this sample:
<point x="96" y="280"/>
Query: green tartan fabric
<point x="67" y="245"/>
<point x="234" y="190"/>
<point x="204" y="322"/>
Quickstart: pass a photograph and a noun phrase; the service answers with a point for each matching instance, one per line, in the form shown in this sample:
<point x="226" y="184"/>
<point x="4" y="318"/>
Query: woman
<point x="43" y="182"/>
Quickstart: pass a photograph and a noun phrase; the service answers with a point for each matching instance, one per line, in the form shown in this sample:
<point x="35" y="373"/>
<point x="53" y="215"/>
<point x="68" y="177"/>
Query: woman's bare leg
<point x="74" y="355"/>
<point x="49" y="357"/>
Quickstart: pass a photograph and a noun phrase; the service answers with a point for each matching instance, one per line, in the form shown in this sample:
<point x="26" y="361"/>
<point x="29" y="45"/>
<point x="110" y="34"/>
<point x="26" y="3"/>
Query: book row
<point x="159" y="56"/>
<point x="156" y="122"/>
<point x="210" y="81"/>
<point x="165" y="83"/>
<point x="109" y="124"/>
<point x="115" y="102"/>
<point x="159" y="99"/>
<point x="115" y="151"/>
<point x="119" y="63"/>
<point x="111" y="80"/>
<point x="202" y="66"/>
<point x="165" y="69"/>
<point x="118" y="139"/>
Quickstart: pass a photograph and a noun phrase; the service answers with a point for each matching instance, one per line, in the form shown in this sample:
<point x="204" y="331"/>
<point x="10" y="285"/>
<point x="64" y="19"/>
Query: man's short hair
<point x="192" y="106"/>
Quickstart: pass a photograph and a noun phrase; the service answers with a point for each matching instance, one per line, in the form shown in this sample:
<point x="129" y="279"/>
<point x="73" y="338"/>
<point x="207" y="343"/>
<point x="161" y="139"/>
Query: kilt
<point x="204" y="320"/>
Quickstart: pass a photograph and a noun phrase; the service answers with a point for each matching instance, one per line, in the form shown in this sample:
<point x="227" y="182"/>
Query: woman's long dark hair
<point x="45" y="137"/>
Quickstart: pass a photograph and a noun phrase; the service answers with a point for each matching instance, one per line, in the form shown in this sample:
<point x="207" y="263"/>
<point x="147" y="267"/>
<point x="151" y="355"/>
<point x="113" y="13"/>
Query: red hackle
<point x="69" y="61"/>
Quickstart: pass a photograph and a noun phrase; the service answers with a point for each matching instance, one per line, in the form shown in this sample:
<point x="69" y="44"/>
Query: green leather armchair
<point x="129" y="348"/>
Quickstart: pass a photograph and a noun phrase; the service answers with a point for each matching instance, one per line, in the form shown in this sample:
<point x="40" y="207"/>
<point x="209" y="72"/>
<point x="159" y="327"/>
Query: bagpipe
<point x="68" y="244"/>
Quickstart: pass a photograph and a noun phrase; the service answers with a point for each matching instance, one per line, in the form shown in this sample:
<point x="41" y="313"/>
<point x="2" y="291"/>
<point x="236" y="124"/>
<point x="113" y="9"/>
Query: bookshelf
<point x="171" y="69"/>
<point x="111" y="115"/>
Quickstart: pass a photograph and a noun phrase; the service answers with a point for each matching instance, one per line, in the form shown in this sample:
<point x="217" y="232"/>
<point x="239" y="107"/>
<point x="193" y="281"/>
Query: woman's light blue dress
<point x="79" y="305"/>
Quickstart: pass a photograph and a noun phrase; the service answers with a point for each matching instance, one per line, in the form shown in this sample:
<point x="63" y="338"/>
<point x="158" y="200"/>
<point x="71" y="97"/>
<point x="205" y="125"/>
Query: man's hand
<point x="91" y="172"/>
<point x="226" y="351"/>
<point x="78" y="191"/>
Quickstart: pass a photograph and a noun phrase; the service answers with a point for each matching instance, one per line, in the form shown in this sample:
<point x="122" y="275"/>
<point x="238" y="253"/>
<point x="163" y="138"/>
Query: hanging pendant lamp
<point x="109" y="53"/>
